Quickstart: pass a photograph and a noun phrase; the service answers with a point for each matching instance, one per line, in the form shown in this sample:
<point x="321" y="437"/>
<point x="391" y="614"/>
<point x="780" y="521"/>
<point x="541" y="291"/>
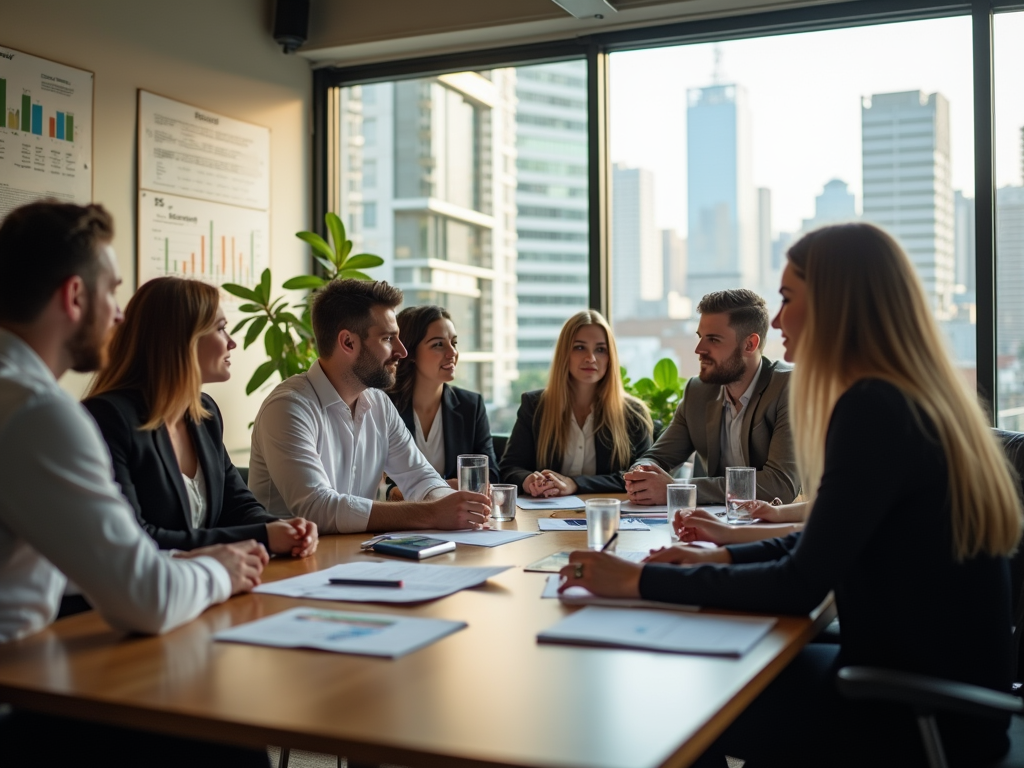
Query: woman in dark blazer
<point x="426" y="400"/>
<point x="166" y="437"/>
<point x="578" y="433"/>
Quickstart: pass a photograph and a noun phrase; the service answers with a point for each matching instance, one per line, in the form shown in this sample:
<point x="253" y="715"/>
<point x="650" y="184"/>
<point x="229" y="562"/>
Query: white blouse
<point x="431" y="447"/>
<point x="198" y="500"/>
<point x="580" y="456"/>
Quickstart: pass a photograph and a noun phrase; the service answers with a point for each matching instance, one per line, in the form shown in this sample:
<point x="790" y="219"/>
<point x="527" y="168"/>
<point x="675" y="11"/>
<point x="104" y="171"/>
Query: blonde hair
<point x="155" y="348"/>
<point x="610" y="399"/>
<point x="867" y="316"/>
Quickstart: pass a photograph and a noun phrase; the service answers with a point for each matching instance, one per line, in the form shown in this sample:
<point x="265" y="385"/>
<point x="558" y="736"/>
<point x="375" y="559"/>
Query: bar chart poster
<point x="193" y="152"/>
<point x="198" y="239"/>
<point x="45" y="131"/>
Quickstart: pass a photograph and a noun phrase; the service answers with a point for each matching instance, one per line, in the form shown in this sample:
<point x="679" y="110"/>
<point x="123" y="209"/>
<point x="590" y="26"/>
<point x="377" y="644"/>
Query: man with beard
<point x="61" y="514"/>
<point x="736" y="414"/>
<point x="323" y="438"/>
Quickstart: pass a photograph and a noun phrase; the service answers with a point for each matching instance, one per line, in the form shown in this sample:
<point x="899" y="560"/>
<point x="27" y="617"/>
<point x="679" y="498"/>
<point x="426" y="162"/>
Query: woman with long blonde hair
<point x="166" y="436"/>
<point x="913" y="513"/>
<point x="582" y="423"/>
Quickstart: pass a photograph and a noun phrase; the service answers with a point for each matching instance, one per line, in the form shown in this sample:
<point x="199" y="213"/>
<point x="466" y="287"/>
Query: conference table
<point x="488" y="695"/>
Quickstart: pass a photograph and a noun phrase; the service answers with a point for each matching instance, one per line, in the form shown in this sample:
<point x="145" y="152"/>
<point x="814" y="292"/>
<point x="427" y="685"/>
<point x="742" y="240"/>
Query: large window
<point x="473" y="186"/>
<point x="726" y="153"/>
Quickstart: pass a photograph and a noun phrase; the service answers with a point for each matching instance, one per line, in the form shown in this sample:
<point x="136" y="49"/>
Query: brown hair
<point x="345" y="305"/>
<point x="43" y="244"/>
<point x="154" y="349"/>
<point x="747" y="312"/>
<point x="413" y="323"/>
<point x="867" y="316"/>
<point x="610" y="398"/>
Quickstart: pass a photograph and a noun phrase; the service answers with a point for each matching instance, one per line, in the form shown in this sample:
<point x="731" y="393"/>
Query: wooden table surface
<point x="489" y="695"/>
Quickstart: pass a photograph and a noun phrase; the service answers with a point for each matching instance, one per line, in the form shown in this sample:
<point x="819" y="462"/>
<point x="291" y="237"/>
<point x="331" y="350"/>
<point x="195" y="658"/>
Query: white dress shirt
<point x="732" y="437"/>
<point x="313" y="457"/>
<point x="432" y="445"/>
<point x="61" y="513"/>
<point x="198" y="503"/>
<point x="580" y="455"/>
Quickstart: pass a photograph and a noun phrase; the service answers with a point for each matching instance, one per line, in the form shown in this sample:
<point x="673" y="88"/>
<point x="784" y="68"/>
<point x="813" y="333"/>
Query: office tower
<point x="767" y="277"/>
<point x="552" y="223"/>
<point x="438" y="182"/>
<point x="721" y="198"/>
<point x="638" y="263"/>
<point x="673" y="249"/>
<point x="1010" y="270"/>
<point x="907" y="184"/>
<point x="835" y="204"/>
<point x="964" y="242"/>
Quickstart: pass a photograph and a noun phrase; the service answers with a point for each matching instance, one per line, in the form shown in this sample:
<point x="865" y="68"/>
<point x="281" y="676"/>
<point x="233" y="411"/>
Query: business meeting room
<point x="512" y="383"/>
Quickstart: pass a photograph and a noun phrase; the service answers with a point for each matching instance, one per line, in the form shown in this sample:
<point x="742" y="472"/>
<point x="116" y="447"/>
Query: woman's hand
<point x="296" y="536"/>
<point x="537" y="484"/>
<point x="681" y="554"/>
<point x="777" y="513"/>
<point x="603" y="574"/>
<point x="701" y="525"/>
<point x="558" y="485"/>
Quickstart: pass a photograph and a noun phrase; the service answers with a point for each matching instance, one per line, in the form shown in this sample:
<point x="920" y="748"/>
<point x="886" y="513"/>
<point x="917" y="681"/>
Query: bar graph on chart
<point x="197" y="239"/>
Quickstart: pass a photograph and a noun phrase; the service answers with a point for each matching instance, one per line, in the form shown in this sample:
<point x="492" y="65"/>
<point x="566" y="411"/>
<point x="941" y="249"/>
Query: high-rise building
<point x="964" y="234"/>
<point x="722" y="211"/>
<point x="835" y="204"/>
<point x="1010" y="270"/>
<point x="638" y="262"/>
<point x="673" y="250"/>
<point x="553" y="227"/>
<point x="437" y="194"/>
<point x="907" y="184"/>
<point x="767" y="277"/>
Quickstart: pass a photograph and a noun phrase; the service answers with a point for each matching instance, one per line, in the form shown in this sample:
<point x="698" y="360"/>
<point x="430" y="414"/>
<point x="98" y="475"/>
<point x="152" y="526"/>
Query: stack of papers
<point x="580" y="524"/>
<point x="419" y="582"/>
<point x="476" y="537"/>
<point x="653" y="510"/>
<point x="583" y="596"/>
<point x="660" y="631"/>
<point x="366" y="634"/>
<point x="555" y="502"/>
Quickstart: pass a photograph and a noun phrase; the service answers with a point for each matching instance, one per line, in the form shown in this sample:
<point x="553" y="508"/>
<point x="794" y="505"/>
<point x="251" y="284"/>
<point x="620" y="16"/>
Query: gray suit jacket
<point x="697" y="426"/>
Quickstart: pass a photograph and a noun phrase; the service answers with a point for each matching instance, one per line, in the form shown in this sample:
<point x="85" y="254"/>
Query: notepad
<point x="657" y="630"/>
<point x="555" y="502"/>
<point x="483" y="537"/>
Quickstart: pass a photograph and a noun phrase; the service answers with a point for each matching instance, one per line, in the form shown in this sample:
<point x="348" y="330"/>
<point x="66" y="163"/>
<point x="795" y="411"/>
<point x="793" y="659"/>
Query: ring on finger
<point x="578" y="572"/>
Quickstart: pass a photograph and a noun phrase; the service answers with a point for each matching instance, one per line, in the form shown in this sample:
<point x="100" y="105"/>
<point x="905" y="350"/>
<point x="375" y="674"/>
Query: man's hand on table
<point x="647" y="484"/>
<point x="244" y="561"/>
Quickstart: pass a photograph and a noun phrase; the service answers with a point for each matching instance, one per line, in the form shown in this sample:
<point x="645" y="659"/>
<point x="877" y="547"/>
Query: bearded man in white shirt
<point x="323" y="438"/>
<point x="60" y="510"/>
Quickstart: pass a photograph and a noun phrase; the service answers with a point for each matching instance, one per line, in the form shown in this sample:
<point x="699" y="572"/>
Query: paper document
<point x="420" y="582"/>
<point x="555" y="562"/>
<point x="580" y="524"/>
<point x="365" y="634"/>
<point x="583" y="596"/>
<point x="657" y="630"/>
<point x="477" y="538"/>
<point x="556" y="502"/>
<point x="629" y="508"/>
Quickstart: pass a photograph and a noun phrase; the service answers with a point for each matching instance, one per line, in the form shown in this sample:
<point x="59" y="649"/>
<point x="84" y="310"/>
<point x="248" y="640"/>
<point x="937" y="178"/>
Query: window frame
<point x="596" y="50"/>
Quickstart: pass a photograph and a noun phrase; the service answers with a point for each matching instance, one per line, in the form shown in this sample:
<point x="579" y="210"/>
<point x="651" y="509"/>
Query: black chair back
<point x="1013" y="445"/>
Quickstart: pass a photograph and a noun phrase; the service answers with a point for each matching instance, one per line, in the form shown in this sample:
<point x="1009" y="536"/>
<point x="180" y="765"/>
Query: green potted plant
<point x="661" y="393"/>
<point x="287" y="329"/>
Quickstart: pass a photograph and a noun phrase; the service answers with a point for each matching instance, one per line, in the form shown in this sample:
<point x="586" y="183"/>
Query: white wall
<point x="216" y="54"/>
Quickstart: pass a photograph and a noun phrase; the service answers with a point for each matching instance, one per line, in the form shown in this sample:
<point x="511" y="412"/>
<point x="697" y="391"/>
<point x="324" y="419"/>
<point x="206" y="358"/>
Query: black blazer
<point x="146" y="468"/>
<point x="466" y="430"/>
<point x="520" y="457"/>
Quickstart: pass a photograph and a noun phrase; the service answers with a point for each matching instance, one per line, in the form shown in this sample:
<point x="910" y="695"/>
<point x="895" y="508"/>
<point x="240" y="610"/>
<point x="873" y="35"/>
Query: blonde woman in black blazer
<point x="166" y="437"/>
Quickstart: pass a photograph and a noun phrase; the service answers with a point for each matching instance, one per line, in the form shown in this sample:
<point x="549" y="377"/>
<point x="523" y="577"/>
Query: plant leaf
<point x="354" y="273"/>
<point x="337" y="230"/>
<point x="264" y="289"/>
<point x="317" y="243"/>
<point x="261" y="375"/>
<point x="254" y="331"/>
<point x="241" y="325"/>
<point x="363" y="261"/>
<point x="330" y="266"/>
<point x="304" y="281"/>
<point x="666" y="374"/>
<point x="241" y="291"/>
<point x="273" y="342"/>
<point x="250" y="308"/>
<point x="346" y="249"/>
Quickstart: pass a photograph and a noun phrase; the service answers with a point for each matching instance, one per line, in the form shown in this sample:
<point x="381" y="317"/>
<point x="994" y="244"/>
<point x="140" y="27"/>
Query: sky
<point x="805" y="95"/>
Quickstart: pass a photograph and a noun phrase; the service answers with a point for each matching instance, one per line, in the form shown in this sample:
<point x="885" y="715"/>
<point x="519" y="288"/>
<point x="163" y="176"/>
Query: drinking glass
<point x="740" y="487"/>
<point x="682" y="497"/>
<point x="602" y="522"/>
<point x="473" y="472"/>
<point x="503" y="502"/>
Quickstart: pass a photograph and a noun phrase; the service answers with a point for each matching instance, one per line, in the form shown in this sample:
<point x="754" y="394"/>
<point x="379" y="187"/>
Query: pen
<point x="367" y="582"/>
<point x="610" y="541"/>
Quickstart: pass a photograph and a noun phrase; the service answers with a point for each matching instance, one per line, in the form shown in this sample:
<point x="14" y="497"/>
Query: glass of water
<point x="503" y="502"/>
<point x="740" y="487"/>
<point x="473" y="472"/>
<point x="682" y="497"/>
<point x="602" y="522"/>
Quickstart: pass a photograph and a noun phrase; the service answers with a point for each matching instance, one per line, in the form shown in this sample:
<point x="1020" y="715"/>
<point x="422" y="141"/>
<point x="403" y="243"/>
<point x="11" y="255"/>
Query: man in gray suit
<point x="736" y="414"/>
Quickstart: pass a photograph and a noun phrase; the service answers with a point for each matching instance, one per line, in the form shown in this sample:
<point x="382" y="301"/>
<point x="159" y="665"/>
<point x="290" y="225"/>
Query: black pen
<point x="367" y="582"/>
<point x="610" y="541"/>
